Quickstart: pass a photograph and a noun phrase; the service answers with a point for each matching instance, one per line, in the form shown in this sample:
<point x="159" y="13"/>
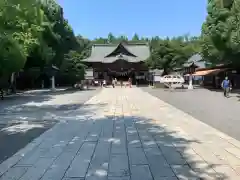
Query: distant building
<point x="196" y="60"/>
<point x="121" y="61"/>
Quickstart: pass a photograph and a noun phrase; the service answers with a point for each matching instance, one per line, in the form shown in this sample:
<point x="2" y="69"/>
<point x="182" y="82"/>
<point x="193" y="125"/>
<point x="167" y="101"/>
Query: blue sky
<point x="96" y="18"/>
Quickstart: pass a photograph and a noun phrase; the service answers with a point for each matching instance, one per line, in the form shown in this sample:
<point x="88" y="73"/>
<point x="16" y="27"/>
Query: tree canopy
<point x="34" y="34"/>
<point x="220" y="32"/>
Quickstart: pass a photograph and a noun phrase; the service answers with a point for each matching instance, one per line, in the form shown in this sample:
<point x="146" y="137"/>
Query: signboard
<point x="89" y="74"/>
<point x="157" y="78"/>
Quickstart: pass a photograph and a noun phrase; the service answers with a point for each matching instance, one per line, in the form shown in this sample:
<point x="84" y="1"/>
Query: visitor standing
<point x="130" y="82"/>
<point x="226" y="85"/>
<point x="113" y="83"/>
<point x="104" y="83"/>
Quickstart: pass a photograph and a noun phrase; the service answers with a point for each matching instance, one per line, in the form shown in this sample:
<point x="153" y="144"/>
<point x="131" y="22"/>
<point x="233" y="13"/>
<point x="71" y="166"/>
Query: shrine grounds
<point x="124" y="134"/>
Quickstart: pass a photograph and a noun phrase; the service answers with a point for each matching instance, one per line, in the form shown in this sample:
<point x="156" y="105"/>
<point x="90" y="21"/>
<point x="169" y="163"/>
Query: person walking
<point x="226" y="85"/>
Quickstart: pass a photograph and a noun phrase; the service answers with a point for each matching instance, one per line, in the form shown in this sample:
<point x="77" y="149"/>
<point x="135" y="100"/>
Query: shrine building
<point x="121" y="61"/>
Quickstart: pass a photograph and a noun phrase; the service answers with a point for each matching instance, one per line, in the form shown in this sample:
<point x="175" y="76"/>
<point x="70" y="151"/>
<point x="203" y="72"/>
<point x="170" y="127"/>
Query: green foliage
<point x="19" y="33"/>
<point x="72" y="67"/>
<point x="33" y="36"/>
<point x="166" y="54"/>
<point x="220" y="32"/>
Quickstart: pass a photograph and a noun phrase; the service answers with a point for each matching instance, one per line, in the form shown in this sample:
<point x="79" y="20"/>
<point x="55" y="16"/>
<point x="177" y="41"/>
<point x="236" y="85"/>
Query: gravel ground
<point x="25" y="117"/>
<point x="209" y="107"/>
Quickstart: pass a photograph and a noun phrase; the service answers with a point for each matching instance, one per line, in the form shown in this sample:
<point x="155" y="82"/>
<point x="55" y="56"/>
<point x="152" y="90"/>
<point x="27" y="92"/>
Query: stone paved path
<point x="124" y="134"/>
<point x="210" y="107"/>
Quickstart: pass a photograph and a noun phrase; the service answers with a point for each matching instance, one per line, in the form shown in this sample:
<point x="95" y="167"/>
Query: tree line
<point x="34" y="36"/>
<point x="166" y="53"/>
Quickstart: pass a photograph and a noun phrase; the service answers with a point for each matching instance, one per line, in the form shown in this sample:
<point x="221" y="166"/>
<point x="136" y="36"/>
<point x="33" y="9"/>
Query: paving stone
<point x="75" y="144"/>
<point x="52" y="152"/>
<point x="226" y="172"/>
<point x="129" y="121"/>
<point x="119" y="130"/>
<point x="9" y="163"/>
<point x="133" y="138"/>
<point x="96" y="177"/>
<point x="184" y="172"/>
<point x="14" y="173"/>
<point x="59" y="167"/>
<point x="107" y="131"/>
<point x="135" y="142"/>
<point x="119" y="178"/>
<point x="95" y="131"/>
<point x="234" y="151"/>
<point x="236" y="169"/>
<point x="167" y="178"/>
<point x="209" y="156"/>
<point x="37" y="170"/>
<point x="152" y="151"/>
<point x="159" y="166"/>
<point x="141" y="172"/>
<point x="80" y="164"/>
<point x="119" y="146"/>
<point x="31" y="158"/>
<point x="27" y="149"/>
<point x="118" y="165"/>
<point x="174" y="158"/>
<point x="73" y="179"/>
<point x="200" y="166"/>
<point x="148" y="142"/>
<point x="100" y="161"/>
<point x="137" y="156"/>
<point x="157" y="160"/>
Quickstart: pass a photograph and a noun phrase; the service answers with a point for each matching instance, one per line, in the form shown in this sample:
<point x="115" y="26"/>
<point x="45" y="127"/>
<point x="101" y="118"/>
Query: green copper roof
<point x="99" y="52"/>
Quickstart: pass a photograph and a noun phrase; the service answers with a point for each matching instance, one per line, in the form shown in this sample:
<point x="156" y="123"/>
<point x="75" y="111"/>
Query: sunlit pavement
<point x="123" y="134"/>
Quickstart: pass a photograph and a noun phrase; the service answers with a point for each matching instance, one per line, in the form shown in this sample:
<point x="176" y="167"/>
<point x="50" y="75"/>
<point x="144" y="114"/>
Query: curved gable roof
<point x="101" y="51"/>
<point x="121" y="49"/>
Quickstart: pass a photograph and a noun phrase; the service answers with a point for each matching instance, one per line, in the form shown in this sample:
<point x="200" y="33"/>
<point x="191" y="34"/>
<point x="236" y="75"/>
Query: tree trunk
<point x="13" y="82"/>
<point x="165" y="72"/>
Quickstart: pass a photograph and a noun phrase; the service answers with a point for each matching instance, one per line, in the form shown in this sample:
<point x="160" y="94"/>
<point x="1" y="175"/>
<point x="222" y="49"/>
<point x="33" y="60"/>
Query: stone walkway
<point x="124" y="134"/>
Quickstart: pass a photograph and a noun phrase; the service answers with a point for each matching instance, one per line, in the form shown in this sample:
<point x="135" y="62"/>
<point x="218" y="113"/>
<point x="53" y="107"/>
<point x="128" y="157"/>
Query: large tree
<point x="220" y="32"/>
<point x="167" y="55"/>
<point x="33" y="35"/>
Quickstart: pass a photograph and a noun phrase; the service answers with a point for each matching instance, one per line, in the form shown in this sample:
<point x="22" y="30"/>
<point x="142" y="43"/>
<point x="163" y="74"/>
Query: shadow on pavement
<point x="17" y="132"/>
<point x="21" y="122"/>
<point x="16" y="135"/>
<point x="152" y="151"/>
<point x="37" y="101"/>
<point x="175" y="150"/>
